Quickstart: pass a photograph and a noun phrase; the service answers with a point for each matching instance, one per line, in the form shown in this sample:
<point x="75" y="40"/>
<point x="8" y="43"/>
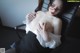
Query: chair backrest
<point x="43" y="5"/>
<point x="66" y="15"/>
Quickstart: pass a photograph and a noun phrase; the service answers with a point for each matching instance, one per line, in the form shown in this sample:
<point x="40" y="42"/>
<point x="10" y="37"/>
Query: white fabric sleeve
<point x="26" y="21"/>
<point x="55" y="41"/>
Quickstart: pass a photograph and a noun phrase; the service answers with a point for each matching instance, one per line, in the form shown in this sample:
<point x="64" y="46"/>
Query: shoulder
<point x="40" y="12"/>
<point x="58" y="20"/>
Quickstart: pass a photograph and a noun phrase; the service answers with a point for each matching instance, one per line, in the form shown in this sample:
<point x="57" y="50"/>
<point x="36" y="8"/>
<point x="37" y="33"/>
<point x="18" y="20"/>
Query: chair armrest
<point x="19" y="31"/>
<point x="19" y="26"/>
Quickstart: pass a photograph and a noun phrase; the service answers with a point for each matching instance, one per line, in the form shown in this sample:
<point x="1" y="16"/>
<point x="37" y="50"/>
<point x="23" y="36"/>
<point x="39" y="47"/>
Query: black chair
<point x="67" y="14"/>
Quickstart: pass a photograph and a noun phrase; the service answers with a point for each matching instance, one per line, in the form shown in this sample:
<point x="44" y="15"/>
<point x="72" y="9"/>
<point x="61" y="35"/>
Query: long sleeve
<point x="55" y="41"/>
<point x="29" y="17"/>
<point x="27" y="23"/>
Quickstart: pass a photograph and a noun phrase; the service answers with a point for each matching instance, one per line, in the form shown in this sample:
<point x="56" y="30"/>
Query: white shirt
<point x="55" y="39"/>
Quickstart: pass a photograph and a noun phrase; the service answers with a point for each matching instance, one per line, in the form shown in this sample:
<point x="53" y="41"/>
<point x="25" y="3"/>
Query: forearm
<point x="46" y="36"/>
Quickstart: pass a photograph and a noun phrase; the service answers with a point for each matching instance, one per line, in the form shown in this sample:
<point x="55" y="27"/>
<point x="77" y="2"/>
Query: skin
<point x="45" y="28"/>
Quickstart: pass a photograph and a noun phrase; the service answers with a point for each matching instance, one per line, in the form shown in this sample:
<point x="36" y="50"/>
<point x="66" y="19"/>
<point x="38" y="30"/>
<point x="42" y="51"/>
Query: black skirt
<point x="29" y="44"/>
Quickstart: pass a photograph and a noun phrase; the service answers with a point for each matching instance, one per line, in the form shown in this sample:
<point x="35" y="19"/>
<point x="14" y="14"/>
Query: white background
<point x="13" y="12"/>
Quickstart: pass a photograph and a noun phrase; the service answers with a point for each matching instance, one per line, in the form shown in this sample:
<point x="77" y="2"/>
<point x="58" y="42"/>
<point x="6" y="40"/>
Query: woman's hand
<point x="49" y="27"/>
<point x="31" y="16"/>
<point x="42" y="31"/>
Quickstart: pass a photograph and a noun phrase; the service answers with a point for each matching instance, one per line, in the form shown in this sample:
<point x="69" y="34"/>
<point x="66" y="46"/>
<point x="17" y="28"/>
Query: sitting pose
<point x="43" y="31"/>
<point x="46" y="26"/>
<point x="47" y="29"/>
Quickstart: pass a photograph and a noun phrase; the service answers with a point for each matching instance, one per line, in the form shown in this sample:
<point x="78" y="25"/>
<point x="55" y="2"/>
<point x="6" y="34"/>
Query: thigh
<point x="29" y="44"/>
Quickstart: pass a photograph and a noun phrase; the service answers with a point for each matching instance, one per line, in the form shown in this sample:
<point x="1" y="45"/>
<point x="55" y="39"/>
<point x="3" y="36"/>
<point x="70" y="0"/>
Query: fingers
<point x="46" y="26"/>
<point x="39" y="29"/>
<point x="31" y="16"/>
<point x="42" y="26"/>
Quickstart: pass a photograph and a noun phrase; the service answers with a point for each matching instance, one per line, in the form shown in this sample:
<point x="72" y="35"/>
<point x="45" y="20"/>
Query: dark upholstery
<point x="0" y="22"/>
<point x="69" y="44"/>
<point x="29" y="44"/>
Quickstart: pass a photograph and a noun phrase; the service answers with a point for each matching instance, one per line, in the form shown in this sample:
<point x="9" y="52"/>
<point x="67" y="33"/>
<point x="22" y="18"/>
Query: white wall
<point x="13" y="12"/>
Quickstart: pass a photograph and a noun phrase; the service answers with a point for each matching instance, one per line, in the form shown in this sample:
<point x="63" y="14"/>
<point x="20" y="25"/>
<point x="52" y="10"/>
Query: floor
<point x="8" y="36"/>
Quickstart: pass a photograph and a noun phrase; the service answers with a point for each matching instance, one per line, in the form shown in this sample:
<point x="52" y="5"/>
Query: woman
<point x="40" y="25"/>
<point x="38" y="40"/>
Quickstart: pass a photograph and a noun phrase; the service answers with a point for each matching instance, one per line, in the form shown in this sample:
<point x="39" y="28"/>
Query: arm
<point x="46" y="34"/>
<point x="58" y="27"/>
<point x="43" y="32"/>
<point x="29" y="18"/>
